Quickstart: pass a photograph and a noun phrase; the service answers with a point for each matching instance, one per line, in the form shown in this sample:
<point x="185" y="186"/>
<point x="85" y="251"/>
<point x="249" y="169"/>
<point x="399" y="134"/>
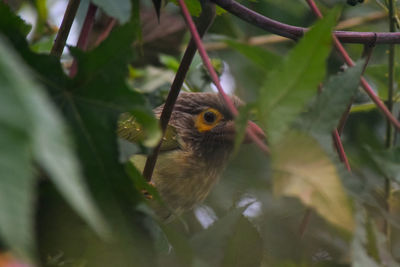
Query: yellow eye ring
<point x="207" y="119"/>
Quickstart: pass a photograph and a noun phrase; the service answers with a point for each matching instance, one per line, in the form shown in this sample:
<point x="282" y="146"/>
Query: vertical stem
<point x="389" y="128"/>
<point x="205" y="20"/>
<point x="83" y="40"/>
<point x="63" y="32"/>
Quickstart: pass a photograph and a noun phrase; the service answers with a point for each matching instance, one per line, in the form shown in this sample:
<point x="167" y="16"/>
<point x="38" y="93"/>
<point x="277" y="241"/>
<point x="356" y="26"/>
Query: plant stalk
<point x="63" y="32"/>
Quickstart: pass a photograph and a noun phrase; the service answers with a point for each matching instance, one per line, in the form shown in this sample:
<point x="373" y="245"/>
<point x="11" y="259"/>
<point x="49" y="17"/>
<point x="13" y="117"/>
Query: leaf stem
<point x="206" y="18"/>
<point x="295" y="33"/>
<point x="63" y="32"/>
<point x="83" y="40"/>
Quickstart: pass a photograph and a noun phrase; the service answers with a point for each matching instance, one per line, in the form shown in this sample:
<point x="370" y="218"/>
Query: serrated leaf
<point x="119" y="9"/>
<point x="91" y="104"/>
<point x="324" y="114"/>
<point x="292" y="84"/>
<point x="303" y="170"/>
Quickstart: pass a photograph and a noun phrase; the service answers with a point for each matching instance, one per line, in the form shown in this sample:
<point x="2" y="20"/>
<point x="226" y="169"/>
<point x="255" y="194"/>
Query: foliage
<point x="68" y="197"/>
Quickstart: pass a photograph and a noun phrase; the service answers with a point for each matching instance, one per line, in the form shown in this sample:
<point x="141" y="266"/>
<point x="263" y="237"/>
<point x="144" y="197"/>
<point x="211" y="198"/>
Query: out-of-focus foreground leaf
<point x="32" y="130"/>
<point x="302" y="169"/>
<point x="231" y="241"/>
<point x="292" y="84"/>
<point x="91" y="104"/>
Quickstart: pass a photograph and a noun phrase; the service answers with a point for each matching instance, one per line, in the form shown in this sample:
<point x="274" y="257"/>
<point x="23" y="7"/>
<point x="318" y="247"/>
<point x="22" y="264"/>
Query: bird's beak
<point x="230" y="132"/>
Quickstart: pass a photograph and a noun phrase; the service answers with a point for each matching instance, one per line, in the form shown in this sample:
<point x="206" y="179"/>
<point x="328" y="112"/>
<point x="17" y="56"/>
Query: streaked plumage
<point x="195" y="153"/>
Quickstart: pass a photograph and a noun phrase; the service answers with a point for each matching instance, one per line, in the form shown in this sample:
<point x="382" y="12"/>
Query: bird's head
<point x="204" y="124"/>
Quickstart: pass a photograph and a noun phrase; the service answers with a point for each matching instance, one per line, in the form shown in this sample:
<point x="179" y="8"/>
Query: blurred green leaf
<point x="258" y="55"/>
<point x="303" y="170"/>
<point x="119" y="9"/>
<point x="363" y="107"/>
<point x="240" y="126"/>
<point x="292" y="84"/>
<point x="194" y="6"/>
<point x="91" y="104"/>
<point x="387" y="162"/>
<point x="245" y="247"/>
<point x="33" y="128"/>
<point x="219" y="244"/>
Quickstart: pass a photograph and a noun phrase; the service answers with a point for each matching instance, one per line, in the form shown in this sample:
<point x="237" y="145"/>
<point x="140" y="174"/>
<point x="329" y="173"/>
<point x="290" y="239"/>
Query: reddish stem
<point x="110" y="25"/>
<point x="206" y="60"/>
<point x="340" y="149"/>
<point x="83" y="40"/>
<point x="368" y="89"/>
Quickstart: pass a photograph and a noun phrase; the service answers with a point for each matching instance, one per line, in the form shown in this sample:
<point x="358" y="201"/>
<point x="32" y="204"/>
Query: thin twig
<point x="273" y="39"/>
<point x="205" y="20"/>
<point x="251" y="129"/>
<point x="304" y="222"/>
<point x="63" y="32"/>
<point x="83" y="40"/>
<point x="295" y="33"/>
<point x="389" y="128"/>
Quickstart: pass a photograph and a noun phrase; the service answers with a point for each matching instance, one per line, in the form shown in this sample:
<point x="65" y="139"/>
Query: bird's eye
<point x="209" y="116"/>
<point x="207" y="119"/>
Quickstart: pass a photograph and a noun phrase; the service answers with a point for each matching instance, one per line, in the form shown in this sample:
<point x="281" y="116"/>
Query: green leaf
<point x="292" y="84"/>
<point x="258" y="55"/>
<point x="119" y="9"/>
<point x="91" y="104"/>
<point x="244" y="247"/>
<point x="386" y="162"/>
<point x="33" y="130"/>
<point x="303" y="170"/>
<point x="325" y="112"/>
<point x="193" y="6"/>
<point x="218" y="244"/>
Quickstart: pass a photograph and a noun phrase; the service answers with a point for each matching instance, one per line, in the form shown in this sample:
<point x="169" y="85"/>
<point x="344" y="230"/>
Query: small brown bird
<point x="194" y="152"/>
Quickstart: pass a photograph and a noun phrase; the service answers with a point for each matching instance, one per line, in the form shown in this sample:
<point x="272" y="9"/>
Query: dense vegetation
<point x="326" y="194"/>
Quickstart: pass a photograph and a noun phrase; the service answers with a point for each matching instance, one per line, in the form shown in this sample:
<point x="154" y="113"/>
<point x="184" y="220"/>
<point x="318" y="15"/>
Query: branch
<point x="83" y="40"/>
<point x="273" y="39"/>
<point x="205" y="20"/>
<point x="295" y="33"/>
<point x="63" y="32"/>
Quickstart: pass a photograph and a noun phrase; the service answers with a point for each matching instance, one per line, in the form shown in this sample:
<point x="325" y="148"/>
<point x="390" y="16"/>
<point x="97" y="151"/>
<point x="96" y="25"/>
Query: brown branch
<point x="295" y="33"/>
<point x="273" y="39"/>
<point x="63" y="32"/>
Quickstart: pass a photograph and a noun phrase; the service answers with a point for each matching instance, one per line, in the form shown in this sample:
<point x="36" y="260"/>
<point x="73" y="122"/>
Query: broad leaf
<point x="220" y="243"/>
<point x="324" y="115"/>
<point x="292" y="84"/>
<point x="302" y="169"/>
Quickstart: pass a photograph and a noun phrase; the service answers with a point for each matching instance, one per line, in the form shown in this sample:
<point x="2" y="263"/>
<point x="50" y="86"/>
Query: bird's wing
<point x="132" y="131"/>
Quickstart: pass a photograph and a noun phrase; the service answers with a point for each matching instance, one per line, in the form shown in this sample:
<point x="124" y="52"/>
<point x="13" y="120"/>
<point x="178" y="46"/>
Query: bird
<point x="196" y="148"/>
